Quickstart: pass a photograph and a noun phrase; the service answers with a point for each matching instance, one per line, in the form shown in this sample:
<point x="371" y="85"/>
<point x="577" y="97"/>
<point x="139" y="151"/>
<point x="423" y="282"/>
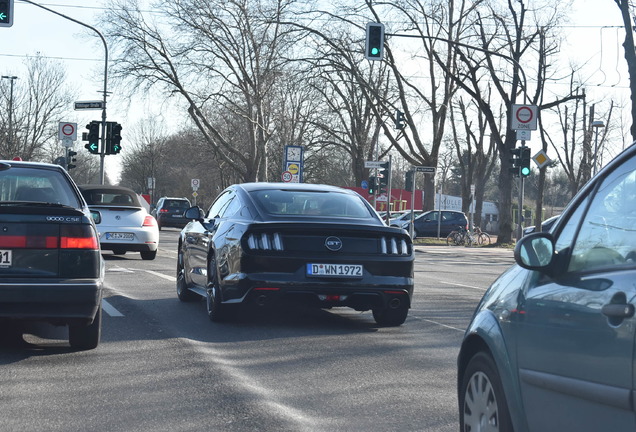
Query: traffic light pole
<point x="521" y="187"/>
<point x="101" y="154"/>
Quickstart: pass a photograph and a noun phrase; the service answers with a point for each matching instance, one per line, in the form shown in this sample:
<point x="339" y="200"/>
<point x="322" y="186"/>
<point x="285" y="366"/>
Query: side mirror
<point x="97" y="216"/>
<point x="194" y="213"/>
<point x="535" y="251"/>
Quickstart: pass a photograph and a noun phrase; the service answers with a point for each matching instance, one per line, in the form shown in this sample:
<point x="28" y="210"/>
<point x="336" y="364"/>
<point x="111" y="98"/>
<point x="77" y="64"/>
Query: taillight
<point x="163" y="210"/>
<point x="28" y="242"/>
<point x="149" y="221"/>
<point x="78" y="237"/>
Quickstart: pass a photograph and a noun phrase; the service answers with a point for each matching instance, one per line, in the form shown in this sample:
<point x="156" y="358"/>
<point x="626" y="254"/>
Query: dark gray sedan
<point x="551" y="344"/>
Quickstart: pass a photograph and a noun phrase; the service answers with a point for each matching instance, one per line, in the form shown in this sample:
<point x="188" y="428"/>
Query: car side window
<point x="217" y="205"/>
<point x="607" y="236"/>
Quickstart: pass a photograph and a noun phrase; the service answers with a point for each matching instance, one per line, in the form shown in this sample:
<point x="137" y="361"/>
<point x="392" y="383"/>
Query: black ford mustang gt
<point x="276" y="242"/>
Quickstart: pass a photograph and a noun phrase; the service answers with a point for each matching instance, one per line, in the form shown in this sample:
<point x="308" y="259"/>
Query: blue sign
<point x="364" y="184"/>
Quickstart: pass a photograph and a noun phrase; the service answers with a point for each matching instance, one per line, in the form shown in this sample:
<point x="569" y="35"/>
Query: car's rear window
<point x="292" y="203"/>
<point x="110" y="197"/>
<point x="176" y="204"/>
<point x="27" y="184"/>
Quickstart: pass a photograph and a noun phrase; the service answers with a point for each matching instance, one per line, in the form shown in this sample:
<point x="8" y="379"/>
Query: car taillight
<point x="78" y="237"/>
<point x="149" y="221"/>
<point x="163" y="210"/>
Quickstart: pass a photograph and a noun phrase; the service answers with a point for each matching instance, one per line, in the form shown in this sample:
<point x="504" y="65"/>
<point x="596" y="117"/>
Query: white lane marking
<point x="110" y="309"/>
<point x="462" y="285"/>
<point x="161" y="275"/>
<point x="443" y="325"/>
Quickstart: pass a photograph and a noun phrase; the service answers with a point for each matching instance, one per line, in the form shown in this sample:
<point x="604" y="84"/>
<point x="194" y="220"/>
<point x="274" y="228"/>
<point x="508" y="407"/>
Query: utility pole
<point x="105" y="91"/>
<point x="10" y="136"/>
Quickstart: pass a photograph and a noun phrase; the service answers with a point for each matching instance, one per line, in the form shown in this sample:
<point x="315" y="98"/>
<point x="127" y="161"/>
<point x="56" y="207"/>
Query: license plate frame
<point x="119" y="236"/>
<point x="353" y="271"/>
<point x="6" y="258"/>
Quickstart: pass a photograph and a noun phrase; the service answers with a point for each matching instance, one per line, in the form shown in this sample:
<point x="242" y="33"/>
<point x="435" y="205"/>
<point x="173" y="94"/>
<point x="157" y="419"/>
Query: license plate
<point x="5" y="258"/>
<point x="338" y="270"/>
<point x="177" y="215"/>
<point x="119" y="236"/>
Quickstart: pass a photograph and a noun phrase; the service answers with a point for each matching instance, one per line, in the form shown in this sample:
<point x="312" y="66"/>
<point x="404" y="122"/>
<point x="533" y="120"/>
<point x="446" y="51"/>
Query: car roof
<point x="113" y="188"/>
<point x="249" y="187"/>
<point x="32" y="164"/>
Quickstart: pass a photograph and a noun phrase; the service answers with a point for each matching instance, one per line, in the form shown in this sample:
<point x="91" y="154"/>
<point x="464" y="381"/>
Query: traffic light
<point x="515" y="161"/>
<point x="92" y="137"/>
<point x="383" y="175"/>
<point x="524" y="162"/>
<point x="372" y="184"/>
<point x="410" y="177"/>
<point x="113" y="139"/>
<point x="70" y="158"/>
<point x="6" y="13"/>
<point x="374" y="45"/>
<point x="400" y="121"/>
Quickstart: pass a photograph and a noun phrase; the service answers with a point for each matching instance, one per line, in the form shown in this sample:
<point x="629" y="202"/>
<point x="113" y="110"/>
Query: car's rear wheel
<point x="148" y="255"/>
<point x="482" y="404"/>
<point x="86" y="337"/>
<point x="183" y="293"/>
<point x="217" y="311"/>
<point x="393" y="314"/>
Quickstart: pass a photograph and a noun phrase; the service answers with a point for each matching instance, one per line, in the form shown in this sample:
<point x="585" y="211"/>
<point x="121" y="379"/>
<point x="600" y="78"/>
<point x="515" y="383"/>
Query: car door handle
<point x="613" y="310"/>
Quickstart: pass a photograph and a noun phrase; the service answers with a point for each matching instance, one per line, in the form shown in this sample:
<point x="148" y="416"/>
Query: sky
<point x="594" y="38"/>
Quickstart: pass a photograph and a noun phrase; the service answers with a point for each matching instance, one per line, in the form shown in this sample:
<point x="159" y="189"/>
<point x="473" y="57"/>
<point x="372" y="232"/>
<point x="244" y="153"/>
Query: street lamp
<point x="10" y="136"/>
<point x="597" y="124"/>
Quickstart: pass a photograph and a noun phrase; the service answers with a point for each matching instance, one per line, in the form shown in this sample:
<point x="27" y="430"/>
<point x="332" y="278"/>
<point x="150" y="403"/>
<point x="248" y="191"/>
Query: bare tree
<point x="223" y="57"/>
<point x="37" y="102"/>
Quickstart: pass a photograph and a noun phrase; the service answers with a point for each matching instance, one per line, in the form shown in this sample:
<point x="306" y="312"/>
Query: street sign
<point x="541" y="159"/>
<point x="425" y="170"/>
<point x="523" y="135"/>
<point x="67" y="131"/>
<point x="287" y="176"/>
<point x="373" y="164"/>
<point x="524" y="117"/>
<point x="89" y="105"/>
<point x="195" y="184"/>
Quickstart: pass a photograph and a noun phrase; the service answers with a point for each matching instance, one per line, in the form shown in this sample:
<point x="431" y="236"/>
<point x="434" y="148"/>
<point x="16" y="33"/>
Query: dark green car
<point x="51" y="267"/>
<point x="551" y="346"/>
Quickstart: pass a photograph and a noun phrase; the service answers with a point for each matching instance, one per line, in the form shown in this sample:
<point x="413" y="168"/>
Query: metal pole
<point x="103" y="149"/>
<point x="10" y="137"/>
<point x="521" y="186"/>
<point x="388" y="190"/>
<point x="412" y="227"/>
<point x="595" y="151"/>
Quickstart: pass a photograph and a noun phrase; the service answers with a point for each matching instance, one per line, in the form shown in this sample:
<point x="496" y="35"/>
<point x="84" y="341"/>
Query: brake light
<point x="78" y="237"/>
<point x="149" y="221"/>
<point x="163" y="210"/>
<point x="28" y="242"/>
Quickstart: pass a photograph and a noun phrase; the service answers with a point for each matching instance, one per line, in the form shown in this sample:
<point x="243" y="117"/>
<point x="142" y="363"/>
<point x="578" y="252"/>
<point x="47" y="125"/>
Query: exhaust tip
<point x="394" y="303"/>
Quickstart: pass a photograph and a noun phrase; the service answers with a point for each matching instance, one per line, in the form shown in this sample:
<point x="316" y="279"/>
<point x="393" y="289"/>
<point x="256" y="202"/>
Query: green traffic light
<point x="375" y="51"/>
<point x="525" y="171"/>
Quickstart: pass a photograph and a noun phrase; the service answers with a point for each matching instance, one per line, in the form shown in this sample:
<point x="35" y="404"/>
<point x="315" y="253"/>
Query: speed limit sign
<point x="287" y="176"/>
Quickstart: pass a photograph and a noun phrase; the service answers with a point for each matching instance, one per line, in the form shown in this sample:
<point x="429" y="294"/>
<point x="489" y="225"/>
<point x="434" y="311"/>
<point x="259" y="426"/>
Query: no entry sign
<point x="524" y="117"/>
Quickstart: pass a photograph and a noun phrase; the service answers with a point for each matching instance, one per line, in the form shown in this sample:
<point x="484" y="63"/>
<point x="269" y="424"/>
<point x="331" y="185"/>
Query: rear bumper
<point x="134" y="247"/>
<point x="54" y="300"/>
<point x="167" y="221"/>
<point x="360" y="295"/>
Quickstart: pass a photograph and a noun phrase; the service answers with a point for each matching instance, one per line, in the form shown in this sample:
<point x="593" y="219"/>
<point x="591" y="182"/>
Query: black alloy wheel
<point x="183" y="293"/>
<point x="217" y="311"/>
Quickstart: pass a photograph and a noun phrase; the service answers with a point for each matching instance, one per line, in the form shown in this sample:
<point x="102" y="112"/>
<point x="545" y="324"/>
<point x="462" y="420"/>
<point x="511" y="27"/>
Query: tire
<point x="391" y="316"/>
<point x="86" y="337"/>
<point x="217" y="311"/>
<point x="482" y="403"/>
<point x="148" y="255"/>
<point x="483" y="239"/>
<point x="183" y="293"/>
<point x="451" y="240"/>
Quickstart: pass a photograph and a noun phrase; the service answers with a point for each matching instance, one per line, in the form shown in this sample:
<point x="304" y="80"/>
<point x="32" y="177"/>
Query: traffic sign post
<point x="524" y="117"/>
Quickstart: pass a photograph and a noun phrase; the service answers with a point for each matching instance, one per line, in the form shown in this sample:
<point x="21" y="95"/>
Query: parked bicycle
<point x="461" y="236"/>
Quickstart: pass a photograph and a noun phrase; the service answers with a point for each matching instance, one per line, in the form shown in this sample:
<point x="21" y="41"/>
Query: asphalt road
<point x="163" y="366"/>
